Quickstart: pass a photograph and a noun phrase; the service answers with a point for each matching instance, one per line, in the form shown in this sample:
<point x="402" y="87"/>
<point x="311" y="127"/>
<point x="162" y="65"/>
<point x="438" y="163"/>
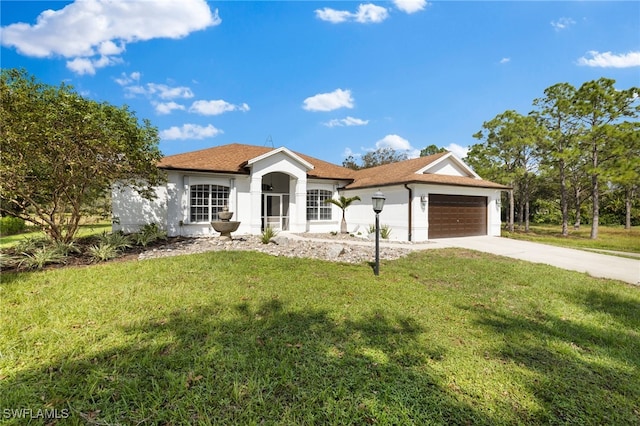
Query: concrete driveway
<point x="594" y="264"/>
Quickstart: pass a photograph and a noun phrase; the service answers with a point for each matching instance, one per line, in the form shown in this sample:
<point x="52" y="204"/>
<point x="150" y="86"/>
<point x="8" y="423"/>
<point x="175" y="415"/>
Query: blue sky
<point x="325" y="78"/>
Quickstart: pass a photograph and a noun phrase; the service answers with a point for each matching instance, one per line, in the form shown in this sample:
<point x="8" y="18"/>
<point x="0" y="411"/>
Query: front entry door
<point x="275" y="211"/>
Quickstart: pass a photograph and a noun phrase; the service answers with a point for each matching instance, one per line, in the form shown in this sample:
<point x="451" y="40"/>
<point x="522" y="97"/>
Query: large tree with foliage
<point x="625" y="172"/>
<point x="559" y="149"/>
<point x="600" y="107"/>
<point x="508" y="155"/>
<point x="61" y="151"/>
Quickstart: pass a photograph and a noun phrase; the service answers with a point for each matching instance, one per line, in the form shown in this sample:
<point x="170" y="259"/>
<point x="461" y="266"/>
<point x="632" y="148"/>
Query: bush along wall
<point x="10" y="225"/>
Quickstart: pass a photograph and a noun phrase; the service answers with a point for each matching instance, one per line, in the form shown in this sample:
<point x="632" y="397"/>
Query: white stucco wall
<point x="131" y="211"/>
<point x="360" y="215"/>
<point x="396" y="209"/>
<point x="448" y="168"/>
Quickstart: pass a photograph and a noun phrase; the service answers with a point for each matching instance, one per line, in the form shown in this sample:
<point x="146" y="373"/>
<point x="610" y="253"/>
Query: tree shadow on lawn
<point x="579" y="372"/>
<point x="266" y="363"/>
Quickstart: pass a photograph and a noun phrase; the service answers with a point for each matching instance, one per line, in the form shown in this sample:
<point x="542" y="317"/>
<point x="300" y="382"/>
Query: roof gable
<point x="449" y="164"/>
<point x="307" y="165"/>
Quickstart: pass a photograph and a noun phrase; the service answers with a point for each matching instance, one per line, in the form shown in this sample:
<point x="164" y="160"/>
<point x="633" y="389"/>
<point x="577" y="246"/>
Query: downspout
<point x="410" y="224"/>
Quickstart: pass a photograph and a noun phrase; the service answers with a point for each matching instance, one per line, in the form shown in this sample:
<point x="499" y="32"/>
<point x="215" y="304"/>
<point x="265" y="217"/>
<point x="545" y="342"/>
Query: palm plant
<point x="343" y="202"/>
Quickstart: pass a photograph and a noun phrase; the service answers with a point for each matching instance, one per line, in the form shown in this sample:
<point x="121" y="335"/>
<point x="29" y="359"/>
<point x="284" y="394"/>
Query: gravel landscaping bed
<point x="338" y="248"/>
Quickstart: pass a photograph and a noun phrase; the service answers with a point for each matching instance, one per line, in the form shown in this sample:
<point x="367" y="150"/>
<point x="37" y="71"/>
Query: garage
<point x="457" y="216"/>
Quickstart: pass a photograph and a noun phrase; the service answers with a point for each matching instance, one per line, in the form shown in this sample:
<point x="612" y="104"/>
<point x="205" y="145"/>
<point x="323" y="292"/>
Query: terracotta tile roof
<point x="233" y="158"/>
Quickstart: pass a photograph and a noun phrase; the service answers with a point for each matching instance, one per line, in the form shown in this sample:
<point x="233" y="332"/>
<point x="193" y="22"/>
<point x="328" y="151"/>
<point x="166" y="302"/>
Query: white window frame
<point x="317" y="208"/>
<point x="211" y="202"/>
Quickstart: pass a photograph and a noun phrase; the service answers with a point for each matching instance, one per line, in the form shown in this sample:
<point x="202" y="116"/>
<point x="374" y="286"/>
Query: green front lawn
<point x="614" y="238"/>
<point x="86" y="230"/>
<point x="441" y="337"/>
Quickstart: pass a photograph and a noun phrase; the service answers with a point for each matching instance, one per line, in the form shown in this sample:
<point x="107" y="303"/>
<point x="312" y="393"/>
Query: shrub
<point x="152" y="229"/>
<point x="6" y="261"/>
<point x="65" y="249"/>
<point x="385" y="231"/>
<point x="148" y="234"/>
<point x="30" y="244"/>
<point x="102" y="252"/>
<point x="142" y="239"/>
<point x="10" y="225"/>
<point x="268" y="234"/>
<point x="38" y="258"/>
<point x="116" y="239"/>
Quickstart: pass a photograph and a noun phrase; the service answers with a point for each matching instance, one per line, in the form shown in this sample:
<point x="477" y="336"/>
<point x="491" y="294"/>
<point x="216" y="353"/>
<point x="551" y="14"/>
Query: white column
<point x="299" y="213"/>
<point x="255" y="188"/>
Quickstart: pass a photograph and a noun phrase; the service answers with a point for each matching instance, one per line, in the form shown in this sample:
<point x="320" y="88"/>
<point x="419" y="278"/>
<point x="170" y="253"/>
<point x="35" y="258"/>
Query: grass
<point x="86" y="230"/>
<point x="441" y="337"/>
<point x="609" y="237"/>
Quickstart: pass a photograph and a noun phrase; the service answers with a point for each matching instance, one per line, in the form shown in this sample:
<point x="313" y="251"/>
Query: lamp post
<point x="377" y="200"/>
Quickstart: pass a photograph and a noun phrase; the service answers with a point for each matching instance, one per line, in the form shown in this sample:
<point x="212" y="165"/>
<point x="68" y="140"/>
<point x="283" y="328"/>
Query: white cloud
<point x="410" y="6"/>
<point x="89" y="66"/>
<point x="348" y="121"/>
<point x="216" y="107"/>
<point x="395" y="142"/>
<point x="167" y="107"/>
<point x="333" y="16"/>
<point x="349" y="152"/>
<point x="505" y="60"/>
<point x="92" y="32"/>
<point x="109" y="48"/>
<point x="161" y="91"/>
<point x="81" y="66"/>
<point x="125" y="79"/>
<point x="166" y="92"/>
<point x="366" y="13"/>
<point x="562" y="24"/>
<point x="398" y="143"/>
<point x="329" y="101"/>
<point x="190" y="131"/>
<point x="610" y="60"/>
<point x="371" y="13"/>
<point x="459" y="151"/>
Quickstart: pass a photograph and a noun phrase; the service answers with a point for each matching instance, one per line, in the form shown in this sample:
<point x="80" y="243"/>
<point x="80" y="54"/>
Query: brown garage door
<point x="457" y="216"/>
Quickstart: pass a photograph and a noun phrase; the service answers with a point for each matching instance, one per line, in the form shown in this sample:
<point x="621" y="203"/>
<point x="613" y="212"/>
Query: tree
<point x="559" y="147"/>
<point x="350" y="163"/>
<point x="60" y="152"/>
<point x="508" y="156"/>
<point x="343" y="202"/>
<point x="599" y="106"/>
<point x="626" y="165"/>
<point x="375" y="158"/>
<point x="431" y="150"/>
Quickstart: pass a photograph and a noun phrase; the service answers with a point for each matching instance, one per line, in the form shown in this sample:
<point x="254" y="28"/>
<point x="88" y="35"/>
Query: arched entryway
<point x="276" y="201"/>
